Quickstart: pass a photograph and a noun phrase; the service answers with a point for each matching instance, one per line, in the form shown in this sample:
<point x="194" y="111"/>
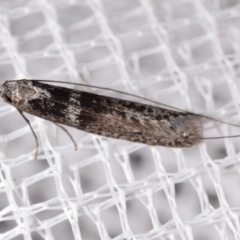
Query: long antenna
<point x="145" y="99"/>
<point x="142" y="98"/>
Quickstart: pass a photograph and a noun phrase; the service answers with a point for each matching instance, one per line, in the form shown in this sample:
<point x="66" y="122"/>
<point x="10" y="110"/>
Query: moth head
<point x="17" y="93"/>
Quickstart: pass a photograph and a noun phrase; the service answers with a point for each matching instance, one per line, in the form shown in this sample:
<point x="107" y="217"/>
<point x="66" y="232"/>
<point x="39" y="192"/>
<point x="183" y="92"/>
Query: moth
<point x="102" y="115"/>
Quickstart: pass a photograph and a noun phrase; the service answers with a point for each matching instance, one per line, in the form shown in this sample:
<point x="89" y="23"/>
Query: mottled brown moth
<point x="105" y="116"/>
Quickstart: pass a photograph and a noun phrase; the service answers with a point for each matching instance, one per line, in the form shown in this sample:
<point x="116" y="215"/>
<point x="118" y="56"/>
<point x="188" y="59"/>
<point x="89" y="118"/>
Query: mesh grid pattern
<point x="182" y="53"/>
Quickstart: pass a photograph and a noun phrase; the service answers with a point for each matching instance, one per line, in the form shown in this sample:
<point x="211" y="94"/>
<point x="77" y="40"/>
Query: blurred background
<point x="182" y="53"/>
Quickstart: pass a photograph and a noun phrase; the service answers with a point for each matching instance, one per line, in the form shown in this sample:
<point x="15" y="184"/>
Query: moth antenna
<point x="216" y="120"/>
<point x="184" y="124"/>
<point x="222" y="137"/>
<point x="34" y="134"/>
<point x="145" y="99"/>
<point x="113" y="90"/>
<point x="69" y="135"/>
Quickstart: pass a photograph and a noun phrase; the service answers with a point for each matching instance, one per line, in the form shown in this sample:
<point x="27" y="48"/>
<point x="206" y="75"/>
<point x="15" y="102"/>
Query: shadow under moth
<point x="105" y="116"/>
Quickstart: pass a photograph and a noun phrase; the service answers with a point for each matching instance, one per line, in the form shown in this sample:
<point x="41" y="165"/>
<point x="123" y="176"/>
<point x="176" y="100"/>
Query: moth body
<point x="102" y="115"/>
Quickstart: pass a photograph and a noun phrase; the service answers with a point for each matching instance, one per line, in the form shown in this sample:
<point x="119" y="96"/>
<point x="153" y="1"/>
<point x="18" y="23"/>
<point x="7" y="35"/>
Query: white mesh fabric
<point x="181" y="53"/>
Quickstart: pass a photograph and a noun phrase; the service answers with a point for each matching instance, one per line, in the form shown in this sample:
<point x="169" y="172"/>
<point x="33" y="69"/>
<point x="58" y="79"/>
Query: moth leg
<point x="69" y="135"/>
<point x="34" y="134"/>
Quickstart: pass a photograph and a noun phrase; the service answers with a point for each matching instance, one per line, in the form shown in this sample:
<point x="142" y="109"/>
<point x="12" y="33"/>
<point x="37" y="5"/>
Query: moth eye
<point x="16" y="101"/>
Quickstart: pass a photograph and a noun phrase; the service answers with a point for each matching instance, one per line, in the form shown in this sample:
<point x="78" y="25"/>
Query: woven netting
<point x="184" y="53"/>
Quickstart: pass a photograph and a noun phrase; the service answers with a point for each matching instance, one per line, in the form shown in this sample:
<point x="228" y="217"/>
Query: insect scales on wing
<point x="102" y="115"/>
